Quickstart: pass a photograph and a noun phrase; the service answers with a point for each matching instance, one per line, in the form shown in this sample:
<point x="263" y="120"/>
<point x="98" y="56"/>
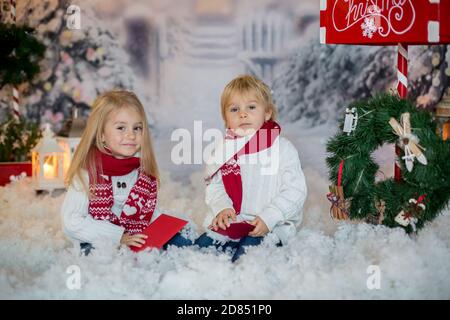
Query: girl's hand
<point x="136" y="240"/>
<point x="222" y="219"/>
<point x="260" y="228"/>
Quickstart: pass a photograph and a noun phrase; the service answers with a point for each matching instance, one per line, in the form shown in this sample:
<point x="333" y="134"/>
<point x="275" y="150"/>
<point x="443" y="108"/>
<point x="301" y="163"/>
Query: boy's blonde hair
<point x="84" y="157"/>
<point x="247" y="84"/>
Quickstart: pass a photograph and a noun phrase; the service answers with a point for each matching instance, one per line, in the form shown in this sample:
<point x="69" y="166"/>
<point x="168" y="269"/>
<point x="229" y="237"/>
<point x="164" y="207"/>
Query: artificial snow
<point x="327" y="259"/>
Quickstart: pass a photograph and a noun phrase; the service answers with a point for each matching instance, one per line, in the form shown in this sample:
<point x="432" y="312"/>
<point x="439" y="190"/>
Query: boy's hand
<point x="136" y="240"/>
<point x="222" y="219"/>
<point x="260" y="228"/>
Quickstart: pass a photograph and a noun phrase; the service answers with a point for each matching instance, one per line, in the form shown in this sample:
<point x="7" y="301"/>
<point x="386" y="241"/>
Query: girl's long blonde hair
<point x="84" y="157"/>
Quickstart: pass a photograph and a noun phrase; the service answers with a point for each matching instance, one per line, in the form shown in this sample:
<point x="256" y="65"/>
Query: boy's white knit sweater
<point x="273" y="187"/>
<point x="80" y="226"/>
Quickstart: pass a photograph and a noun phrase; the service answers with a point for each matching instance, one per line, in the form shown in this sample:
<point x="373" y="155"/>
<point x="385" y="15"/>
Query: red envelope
<point x="160" y="231"/>
<point x="237" y="230"/>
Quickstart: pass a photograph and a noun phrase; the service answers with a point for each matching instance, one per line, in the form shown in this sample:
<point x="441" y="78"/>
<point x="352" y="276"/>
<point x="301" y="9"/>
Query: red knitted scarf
<point x="231" y="171"/>
<point x="138" y="208"/>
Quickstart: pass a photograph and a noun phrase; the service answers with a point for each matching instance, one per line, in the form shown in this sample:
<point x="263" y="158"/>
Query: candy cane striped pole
<point x="402" y="88"/>
<point x="16" y="103"/>
<point x="402" y="70"/>
<point x="15" y="90"/>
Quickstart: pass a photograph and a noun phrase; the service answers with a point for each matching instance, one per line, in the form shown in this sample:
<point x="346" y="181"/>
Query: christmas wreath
<point x="424" y="188"/>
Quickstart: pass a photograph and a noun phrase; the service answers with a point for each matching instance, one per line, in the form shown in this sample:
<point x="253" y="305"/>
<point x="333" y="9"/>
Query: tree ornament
<point x="408" y="141"/>
<point x="339" y="206"/>
<point x="351" y="120"/>
<point x="411" y="213"/>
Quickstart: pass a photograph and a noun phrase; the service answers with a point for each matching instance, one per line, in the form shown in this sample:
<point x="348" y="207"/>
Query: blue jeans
<point x="177" y="240"/>
<point x="238" y="246"/>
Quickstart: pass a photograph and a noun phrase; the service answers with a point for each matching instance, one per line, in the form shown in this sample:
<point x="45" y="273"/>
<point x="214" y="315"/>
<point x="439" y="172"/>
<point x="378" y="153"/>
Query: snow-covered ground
<point x="325" y="260"/>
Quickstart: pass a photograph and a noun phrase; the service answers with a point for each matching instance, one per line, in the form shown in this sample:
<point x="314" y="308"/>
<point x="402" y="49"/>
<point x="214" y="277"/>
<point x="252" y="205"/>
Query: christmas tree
<point x="78" y="64"/>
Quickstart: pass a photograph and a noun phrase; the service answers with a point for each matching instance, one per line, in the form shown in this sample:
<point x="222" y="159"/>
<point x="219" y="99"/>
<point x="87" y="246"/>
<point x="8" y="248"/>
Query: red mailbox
<point x="384" y="22"/>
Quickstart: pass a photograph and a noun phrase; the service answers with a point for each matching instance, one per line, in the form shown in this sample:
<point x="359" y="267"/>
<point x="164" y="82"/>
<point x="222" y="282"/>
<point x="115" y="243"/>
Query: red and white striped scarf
<point x="141" y="202"/>
<point x="231" y="171"/>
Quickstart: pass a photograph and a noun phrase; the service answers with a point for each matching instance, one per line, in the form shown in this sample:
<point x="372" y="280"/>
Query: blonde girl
<point x="113" y="177"/>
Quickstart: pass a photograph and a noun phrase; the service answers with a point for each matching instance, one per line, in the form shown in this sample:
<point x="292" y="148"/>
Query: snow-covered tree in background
<point x="430" y="74"/>
<point x="315" y="83"/>
<point x="319" y="81"/>
<point x="79" y="64"/>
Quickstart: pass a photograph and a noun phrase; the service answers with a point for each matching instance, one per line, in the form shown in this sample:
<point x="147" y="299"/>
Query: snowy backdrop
<point x="177" y="56"/>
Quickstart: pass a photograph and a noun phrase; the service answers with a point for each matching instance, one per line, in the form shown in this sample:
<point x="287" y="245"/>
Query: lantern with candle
<point x="443" y="116"/>
<point x="70" y="137"/>
<point x="47" y="160"/>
